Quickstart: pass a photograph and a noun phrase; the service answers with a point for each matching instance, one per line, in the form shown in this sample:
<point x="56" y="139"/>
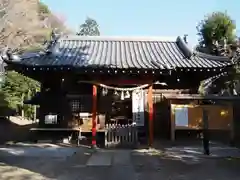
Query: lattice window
<point x="75" y="105"/>
<point x="82" y="103"/>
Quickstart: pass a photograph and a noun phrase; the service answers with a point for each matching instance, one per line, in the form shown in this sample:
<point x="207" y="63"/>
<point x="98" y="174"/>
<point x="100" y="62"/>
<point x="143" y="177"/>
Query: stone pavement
<point x="152" y="164"/>
<point x="81" y="163"/>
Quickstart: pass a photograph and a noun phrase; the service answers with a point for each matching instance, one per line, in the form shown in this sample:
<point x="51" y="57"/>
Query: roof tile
<point x="123" y="53"/>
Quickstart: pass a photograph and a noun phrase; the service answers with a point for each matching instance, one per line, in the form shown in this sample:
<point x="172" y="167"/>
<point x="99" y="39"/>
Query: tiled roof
<point x="123" y="53"/>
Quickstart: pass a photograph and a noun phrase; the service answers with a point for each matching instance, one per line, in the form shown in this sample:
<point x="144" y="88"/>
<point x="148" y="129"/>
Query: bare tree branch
<point x="22" y="25"/>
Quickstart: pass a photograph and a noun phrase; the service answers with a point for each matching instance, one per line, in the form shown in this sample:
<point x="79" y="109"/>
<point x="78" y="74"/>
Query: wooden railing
<point x="122" y="136"/>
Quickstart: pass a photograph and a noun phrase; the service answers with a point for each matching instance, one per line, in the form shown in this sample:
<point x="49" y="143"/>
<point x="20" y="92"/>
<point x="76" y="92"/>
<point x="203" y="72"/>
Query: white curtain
<point x="138" y="107"/>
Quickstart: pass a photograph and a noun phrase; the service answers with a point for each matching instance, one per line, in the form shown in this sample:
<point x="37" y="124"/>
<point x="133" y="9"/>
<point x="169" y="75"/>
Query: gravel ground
<point x="153" y="167"/>
<point x="71" y="163"/>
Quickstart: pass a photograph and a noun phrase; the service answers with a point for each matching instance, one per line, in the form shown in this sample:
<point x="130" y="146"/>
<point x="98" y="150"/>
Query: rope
<point x="124" y="89"/>
<point x="117" y="88"/>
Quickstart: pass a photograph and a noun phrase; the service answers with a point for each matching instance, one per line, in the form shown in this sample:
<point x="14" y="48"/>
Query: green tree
<point x="43" y="8"/>
<point x="214" y="30"/>
<point x="16" y="89"/>
<point x="4" y="107"/>
<point x="31" y="24"/>
<point x="89" y="28"/>
<point x="217" y="37"/>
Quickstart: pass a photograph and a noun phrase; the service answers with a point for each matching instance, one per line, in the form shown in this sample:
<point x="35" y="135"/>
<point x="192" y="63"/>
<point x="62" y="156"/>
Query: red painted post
<point x="150" y="113"/>
<point x="94" y="116"/>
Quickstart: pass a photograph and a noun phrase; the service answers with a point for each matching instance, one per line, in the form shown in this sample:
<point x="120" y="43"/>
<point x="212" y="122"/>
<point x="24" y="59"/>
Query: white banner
<point x="138" y="107"/>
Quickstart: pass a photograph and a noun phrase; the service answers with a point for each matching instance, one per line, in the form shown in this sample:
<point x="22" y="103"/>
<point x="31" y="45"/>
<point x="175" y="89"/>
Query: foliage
<point x="2" y="13"/>
<point x="30" y="49"/>
<point x="3" y="104"/>
<point x="43" y="8"/>
<point x="26" y="23"/>
<point x="216" y="28"/>
<point x="17" y="88"/>
<point x="217" y="37"/>
<point x="89" y="28"/>
<point x="31" y="25"/>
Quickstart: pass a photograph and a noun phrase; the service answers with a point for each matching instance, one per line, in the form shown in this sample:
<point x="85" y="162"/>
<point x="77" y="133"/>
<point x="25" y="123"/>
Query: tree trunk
<point x="35" y="113"/>
<point x="22" y="109"/>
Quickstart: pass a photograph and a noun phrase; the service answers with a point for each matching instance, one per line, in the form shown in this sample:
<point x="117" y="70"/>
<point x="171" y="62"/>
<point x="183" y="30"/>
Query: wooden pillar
<point x="232" y="131"/>
<point x="94" y="116"/>
<point x="173" y="123"/>
<point x="205" y="132"/>
<point x="150" y="113"/>
<point x="42" y="108"/>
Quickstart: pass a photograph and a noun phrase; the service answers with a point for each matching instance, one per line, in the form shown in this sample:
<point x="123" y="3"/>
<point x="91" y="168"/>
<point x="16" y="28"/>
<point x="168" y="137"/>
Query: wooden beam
<point x="150" y="113"/>
<point x="94" y="116"/>
<point x="200" y="97"/>
<point x="127" y="81"/>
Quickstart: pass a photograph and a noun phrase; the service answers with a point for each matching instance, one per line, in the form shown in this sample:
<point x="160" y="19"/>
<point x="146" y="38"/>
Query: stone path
<point x="100" y="159"/>
<point x="71" y="163"/>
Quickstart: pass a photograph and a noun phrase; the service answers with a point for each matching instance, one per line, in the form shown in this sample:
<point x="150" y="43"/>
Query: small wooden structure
<point x="123" y="136"/>
<point x="75" y="71"/>
<point x="187" y="114"/>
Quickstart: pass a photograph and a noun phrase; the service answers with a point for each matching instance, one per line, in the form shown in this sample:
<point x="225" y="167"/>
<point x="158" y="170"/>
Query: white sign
<point x="138" y="107"/>
<point x="84" y="114"/>
<point x="181" y="116"/>
<point x="51" y="119"/>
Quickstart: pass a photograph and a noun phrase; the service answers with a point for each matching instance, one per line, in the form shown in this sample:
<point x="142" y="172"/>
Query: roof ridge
<point x="119" y="38"/>
<point x="189" y="52"/>
<point x="212" y="57"/>
<point x="186" y="50"/>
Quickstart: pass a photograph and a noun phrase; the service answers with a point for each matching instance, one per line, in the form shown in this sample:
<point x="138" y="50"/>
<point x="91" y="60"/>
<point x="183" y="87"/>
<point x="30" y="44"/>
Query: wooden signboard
<point x="181" y="117"/>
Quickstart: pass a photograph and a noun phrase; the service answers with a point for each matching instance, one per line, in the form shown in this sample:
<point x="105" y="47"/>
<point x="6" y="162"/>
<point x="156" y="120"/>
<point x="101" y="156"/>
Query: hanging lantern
<point x="122" y="95"/>
<point x="127" y="95"/>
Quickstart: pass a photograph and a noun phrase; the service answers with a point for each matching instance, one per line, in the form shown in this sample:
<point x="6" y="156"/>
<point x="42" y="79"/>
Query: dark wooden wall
<point x="53" y="100"/>
<point x="236" y="117"/>
<point x="61" y="92"/>
<point x="57" y="97"/>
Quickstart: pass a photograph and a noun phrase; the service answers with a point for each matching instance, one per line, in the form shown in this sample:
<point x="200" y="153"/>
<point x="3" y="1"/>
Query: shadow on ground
<point x="38" y="161"/>
<point x="10" y="131"/>
<point x="49" y="161"/>
<point x="186" y="161"/>
<point x="182" y="160"/>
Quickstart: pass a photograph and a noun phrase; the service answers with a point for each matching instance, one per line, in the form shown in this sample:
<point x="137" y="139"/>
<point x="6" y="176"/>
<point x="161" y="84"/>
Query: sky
<point x="165" y="18"/>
